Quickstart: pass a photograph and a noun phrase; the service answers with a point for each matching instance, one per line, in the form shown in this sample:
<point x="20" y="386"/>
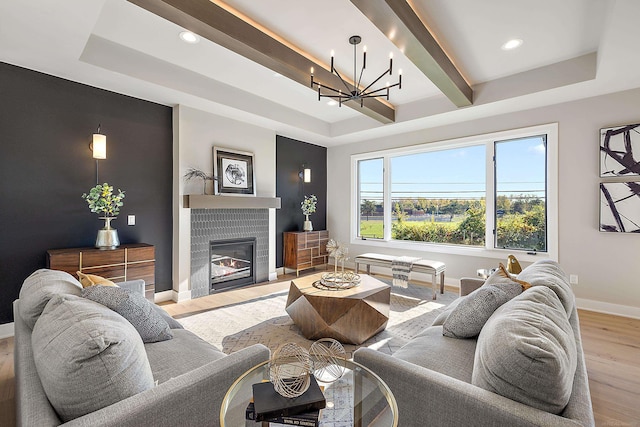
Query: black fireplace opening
<point x="232" y="263"/>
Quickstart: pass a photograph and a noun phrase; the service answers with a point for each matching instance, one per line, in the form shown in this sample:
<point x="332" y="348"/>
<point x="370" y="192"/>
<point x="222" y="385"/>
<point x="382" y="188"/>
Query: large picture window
<point x="490" y="192"/>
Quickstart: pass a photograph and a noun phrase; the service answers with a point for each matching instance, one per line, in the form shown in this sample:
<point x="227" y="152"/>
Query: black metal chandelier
<point x="353" y="91"/>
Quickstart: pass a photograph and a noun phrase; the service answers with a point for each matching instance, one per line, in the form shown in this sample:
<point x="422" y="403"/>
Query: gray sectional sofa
<point x="525" y="368"/>
<point x="71" y="352"/>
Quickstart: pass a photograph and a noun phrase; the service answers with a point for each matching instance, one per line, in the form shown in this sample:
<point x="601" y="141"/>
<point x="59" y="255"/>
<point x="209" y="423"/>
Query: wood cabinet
<point x="127" y="262"/>
<point x="305" y="249"/>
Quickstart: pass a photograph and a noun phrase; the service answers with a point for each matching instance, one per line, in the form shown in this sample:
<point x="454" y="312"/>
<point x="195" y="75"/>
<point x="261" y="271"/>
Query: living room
<point x="76" y="73"/>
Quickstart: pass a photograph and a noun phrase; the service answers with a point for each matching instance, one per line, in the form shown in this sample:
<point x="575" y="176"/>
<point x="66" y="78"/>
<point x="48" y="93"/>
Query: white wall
<point x="608" y="264"/>
<point x="195" y="134"/>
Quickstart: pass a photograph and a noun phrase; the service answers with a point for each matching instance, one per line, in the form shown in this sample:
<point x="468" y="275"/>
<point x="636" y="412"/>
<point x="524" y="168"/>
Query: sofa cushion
<point x="173" y="323"/>
<point x="87" y="280"/>
<point x="40" y="287"/>
<point x="133" y="307"/>
<point x="470" y="315"/>
<point x="184" y="353"/>
<point x="549" y="273"/>
<point x="527" y="352"/>
<point x="87" y="356"/>
<point x="449" y="356"/>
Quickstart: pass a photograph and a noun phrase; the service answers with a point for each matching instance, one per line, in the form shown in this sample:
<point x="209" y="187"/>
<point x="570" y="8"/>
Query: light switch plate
<point x="131" y="220"/>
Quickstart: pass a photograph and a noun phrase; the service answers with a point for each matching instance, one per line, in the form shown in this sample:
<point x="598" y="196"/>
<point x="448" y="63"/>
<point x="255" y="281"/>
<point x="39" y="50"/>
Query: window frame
<point x="489" y="140"/>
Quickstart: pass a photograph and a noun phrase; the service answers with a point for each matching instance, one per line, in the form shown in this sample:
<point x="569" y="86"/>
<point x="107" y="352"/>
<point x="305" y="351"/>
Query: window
<point x="521" y="216"/>
<point x="370" y="198"/>
<point x="485" y="193"/>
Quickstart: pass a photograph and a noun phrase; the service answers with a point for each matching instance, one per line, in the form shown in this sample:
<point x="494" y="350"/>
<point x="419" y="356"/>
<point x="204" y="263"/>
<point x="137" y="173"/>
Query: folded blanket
<point x="400" y="269"/>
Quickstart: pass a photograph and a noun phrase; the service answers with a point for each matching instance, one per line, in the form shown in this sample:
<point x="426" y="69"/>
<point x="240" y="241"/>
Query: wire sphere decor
<point x="328" y="357"/>
<point x="290" y="370"/>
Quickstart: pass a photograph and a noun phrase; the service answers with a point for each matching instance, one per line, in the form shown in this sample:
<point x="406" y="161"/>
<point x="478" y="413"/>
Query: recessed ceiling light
<point x="189" y="37"/>
<point x="332" y="103"/>
<point x="512" y="44"/>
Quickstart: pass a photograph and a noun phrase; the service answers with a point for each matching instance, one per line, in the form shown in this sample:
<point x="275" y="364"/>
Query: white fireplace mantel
<point x="200" y="201"/>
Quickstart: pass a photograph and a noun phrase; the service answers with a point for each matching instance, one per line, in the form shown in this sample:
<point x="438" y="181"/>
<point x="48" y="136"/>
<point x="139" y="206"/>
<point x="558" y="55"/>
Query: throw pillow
<point x="469" y="316"/>
<point x="87" y="356"/>
<point x="87" y="280"/>
<point x="527" y="352"/>
<point x="40" y="287"/>
<point x="133" y="307"/>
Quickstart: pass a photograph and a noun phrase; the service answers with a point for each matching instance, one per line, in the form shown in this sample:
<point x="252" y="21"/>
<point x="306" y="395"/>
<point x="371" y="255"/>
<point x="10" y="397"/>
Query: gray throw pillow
<point x="527" y="352"/>
<point x="133" y="307"/>
<point x="87" y="356"/>
<point x="439" y="320"/>
<point x="40" y="287"/>
<point x="173" y="323"/>
<point x="469" y="316"/>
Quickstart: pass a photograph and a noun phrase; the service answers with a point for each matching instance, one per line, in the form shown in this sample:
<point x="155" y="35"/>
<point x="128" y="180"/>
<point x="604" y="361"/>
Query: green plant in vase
<point x="102" y="200"/>
<point x="308" y="206"/>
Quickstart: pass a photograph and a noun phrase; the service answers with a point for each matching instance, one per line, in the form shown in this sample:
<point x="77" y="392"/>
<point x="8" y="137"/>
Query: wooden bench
<point x="435" y="268"/>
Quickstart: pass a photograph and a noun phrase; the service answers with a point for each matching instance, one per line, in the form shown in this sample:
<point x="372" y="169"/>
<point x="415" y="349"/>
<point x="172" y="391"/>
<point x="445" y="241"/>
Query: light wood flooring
<point x="611" y="346"/>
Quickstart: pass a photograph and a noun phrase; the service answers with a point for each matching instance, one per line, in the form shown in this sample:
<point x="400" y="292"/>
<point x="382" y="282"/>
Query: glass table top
<point x="358" y="398"/>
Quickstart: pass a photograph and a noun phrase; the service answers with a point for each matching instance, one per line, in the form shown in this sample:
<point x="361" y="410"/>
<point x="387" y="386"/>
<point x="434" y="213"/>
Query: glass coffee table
<point x="358" y="398"/>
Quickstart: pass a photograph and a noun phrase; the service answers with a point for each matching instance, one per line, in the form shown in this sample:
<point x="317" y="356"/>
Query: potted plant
<point x="102" y="200"/>
<point x="308" y="206"/>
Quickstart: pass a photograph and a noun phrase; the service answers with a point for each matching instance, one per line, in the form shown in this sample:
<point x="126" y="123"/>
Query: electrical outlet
<point x="573" y="279"/>
<point x="131" y="220"/>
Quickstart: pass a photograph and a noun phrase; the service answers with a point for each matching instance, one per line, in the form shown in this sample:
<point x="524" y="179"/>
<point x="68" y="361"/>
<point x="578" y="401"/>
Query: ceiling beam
<point x="226" y="29"/>
<point x="399" y="22"/>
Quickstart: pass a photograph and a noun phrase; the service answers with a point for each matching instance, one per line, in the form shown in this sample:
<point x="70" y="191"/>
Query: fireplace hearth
<point x="232" y="263"/>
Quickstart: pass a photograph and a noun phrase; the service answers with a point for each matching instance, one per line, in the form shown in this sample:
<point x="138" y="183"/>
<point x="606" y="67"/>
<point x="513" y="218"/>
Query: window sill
<point x="480" y="252"/>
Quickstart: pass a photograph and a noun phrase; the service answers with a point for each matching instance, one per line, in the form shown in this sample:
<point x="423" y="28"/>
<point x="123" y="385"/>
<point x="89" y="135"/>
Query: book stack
<point x="268" y="405"/>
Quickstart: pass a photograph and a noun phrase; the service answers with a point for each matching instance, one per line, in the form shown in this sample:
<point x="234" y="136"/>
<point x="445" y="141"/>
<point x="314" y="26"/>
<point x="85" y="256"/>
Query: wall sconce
<point x="99" y="148"/>
<point x="305" y="174"/>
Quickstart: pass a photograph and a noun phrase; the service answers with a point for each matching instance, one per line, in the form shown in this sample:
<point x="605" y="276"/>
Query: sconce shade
<point x="307" y="175"/>
<point x="99" y="146"/>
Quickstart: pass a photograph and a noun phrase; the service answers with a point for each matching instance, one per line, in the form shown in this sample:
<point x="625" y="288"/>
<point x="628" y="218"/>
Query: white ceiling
<point x="572" y="49"/>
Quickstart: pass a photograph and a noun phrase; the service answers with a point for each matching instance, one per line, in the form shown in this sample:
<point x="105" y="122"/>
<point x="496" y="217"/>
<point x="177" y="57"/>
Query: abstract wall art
<point x="233" y="172"/>
<point x="620" y="151"/>
<point x="620" y="207"/>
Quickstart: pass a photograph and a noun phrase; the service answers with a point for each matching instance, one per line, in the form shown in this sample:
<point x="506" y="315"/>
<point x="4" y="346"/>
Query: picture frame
<point x="620" y="151"/>
<point x="233" y="172"/>
<point x="620" y="207"/>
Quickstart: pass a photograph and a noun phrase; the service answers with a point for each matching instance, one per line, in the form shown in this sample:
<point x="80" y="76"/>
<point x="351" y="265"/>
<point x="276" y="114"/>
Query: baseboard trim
<point x="273" y="276"/>
<point x="180" y="296"/>
<point x="608" y="308"/>
<point x="7" y="330"/>
<point x="163" y="296"/>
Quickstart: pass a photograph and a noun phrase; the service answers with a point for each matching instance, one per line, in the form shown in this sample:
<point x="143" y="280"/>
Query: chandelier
<point x="353" y="91"/>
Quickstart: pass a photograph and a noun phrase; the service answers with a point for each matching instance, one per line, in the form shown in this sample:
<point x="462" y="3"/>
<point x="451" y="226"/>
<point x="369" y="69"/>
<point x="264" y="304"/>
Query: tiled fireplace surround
<point x="221" y="224"/>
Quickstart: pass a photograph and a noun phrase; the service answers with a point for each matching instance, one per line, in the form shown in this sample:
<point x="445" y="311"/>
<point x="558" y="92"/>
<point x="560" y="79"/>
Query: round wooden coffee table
<point x="350" y="315"/>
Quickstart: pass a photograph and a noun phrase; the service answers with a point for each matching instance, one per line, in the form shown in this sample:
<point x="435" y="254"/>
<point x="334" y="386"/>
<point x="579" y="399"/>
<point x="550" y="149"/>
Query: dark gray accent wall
<point x="290" y="156"/>
<point x="46" y="125"/>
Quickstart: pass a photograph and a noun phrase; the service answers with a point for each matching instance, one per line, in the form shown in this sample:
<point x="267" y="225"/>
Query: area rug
<point x="264" y="320"/>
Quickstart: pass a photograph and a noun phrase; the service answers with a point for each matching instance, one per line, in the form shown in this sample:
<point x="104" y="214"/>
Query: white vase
<point x="307" y="224"/>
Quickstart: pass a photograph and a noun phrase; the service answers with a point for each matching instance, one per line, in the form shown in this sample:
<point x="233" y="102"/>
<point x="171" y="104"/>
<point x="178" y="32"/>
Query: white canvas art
<point x="234" y="173"/>
<point x="620" y="207"/>
<point x="620" y="151"/>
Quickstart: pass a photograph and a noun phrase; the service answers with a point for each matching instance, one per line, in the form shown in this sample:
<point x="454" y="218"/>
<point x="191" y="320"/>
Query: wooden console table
<point x="127" y="262"/>
<point x="305" y="249"/>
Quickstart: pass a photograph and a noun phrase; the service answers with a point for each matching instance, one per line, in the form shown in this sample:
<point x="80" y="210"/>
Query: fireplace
<point x="232" y="263"/>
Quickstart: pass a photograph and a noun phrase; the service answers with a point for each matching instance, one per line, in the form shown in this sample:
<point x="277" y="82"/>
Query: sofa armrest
<point x="426" y="395"/>
<point x="191" y="399"/>
<point x="469" y="284"/>
<point x="135" y="286"/>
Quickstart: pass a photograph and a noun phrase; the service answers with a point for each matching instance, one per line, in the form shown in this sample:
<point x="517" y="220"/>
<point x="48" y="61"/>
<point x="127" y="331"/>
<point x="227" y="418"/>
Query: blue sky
<point x="460" y="173"/>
